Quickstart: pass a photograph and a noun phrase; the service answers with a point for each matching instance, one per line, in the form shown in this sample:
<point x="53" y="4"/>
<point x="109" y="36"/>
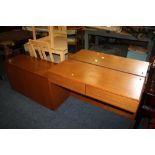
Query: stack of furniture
<point x="41" y="49"/>
<point x="110" y="82"/>
<point x="54" y="43"/>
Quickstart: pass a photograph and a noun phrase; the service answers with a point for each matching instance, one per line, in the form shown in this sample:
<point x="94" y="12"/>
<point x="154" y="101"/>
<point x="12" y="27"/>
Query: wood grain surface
<point x="122" y="64"/>
<point x="50" y="84"/>
<point x="27" y="76"/>
<point x="117" y="88"/>
<point x="30" y="64"/>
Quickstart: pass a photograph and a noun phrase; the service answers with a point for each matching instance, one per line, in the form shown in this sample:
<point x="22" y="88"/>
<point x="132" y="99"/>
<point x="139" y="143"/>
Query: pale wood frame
<point x="56" y="40"/>
<point x="41" y="47"/>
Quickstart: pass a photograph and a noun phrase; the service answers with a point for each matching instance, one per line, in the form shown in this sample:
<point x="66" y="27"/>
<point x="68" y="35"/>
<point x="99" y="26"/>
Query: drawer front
<point x="70" y="84"/>
<point x="112" y="99"/>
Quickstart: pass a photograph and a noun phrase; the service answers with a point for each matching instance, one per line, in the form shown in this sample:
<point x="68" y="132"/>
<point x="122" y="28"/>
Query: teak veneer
<point x="118" y="63"/>
<point x="113" y="83"/>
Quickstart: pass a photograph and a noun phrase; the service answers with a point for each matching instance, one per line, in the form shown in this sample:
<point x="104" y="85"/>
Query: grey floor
<point x="20" y="112"/>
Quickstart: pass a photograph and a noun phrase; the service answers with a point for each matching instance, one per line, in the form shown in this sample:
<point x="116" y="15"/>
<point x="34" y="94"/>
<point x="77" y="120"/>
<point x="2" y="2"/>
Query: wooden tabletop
<point x="30" y="64"/>
<point x="116" y="88"/>
<point x="122" y="64"/>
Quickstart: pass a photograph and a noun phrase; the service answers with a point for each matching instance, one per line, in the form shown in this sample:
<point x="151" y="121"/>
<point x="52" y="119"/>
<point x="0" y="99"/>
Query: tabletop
<point x="122" y="64"/>
<point x="111" y="86"/>
<point x="30" y="64"/>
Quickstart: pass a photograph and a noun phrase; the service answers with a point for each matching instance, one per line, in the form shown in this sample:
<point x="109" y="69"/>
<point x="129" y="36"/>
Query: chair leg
<point x="62" y="57"/>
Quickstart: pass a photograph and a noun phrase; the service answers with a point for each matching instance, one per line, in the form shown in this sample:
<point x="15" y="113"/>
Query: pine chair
<point x="56" y="40"/>
<point x="40" y="49"/>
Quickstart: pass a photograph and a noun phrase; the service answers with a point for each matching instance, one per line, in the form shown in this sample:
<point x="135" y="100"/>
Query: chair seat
<point x="60" y="43"/>
<point x="54" y="43"/>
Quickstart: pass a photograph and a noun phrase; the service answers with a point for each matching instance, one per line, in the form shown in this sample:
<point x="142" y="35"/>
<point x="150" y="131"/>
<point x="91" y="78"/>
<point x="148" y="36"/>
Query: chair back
<point x="40" y="49"/>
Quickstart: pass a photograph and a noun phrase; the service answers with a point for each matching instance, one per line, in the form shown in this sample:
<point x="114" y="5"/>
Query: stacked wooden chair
<point x="40" y="49"/>
<point x="55" y="43"/>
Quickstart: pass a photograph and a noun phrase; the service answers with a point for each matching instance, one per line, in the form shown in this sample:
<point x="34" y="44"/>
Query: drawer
<point x="69" y="83"/>
<point x="124" y="103"/>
